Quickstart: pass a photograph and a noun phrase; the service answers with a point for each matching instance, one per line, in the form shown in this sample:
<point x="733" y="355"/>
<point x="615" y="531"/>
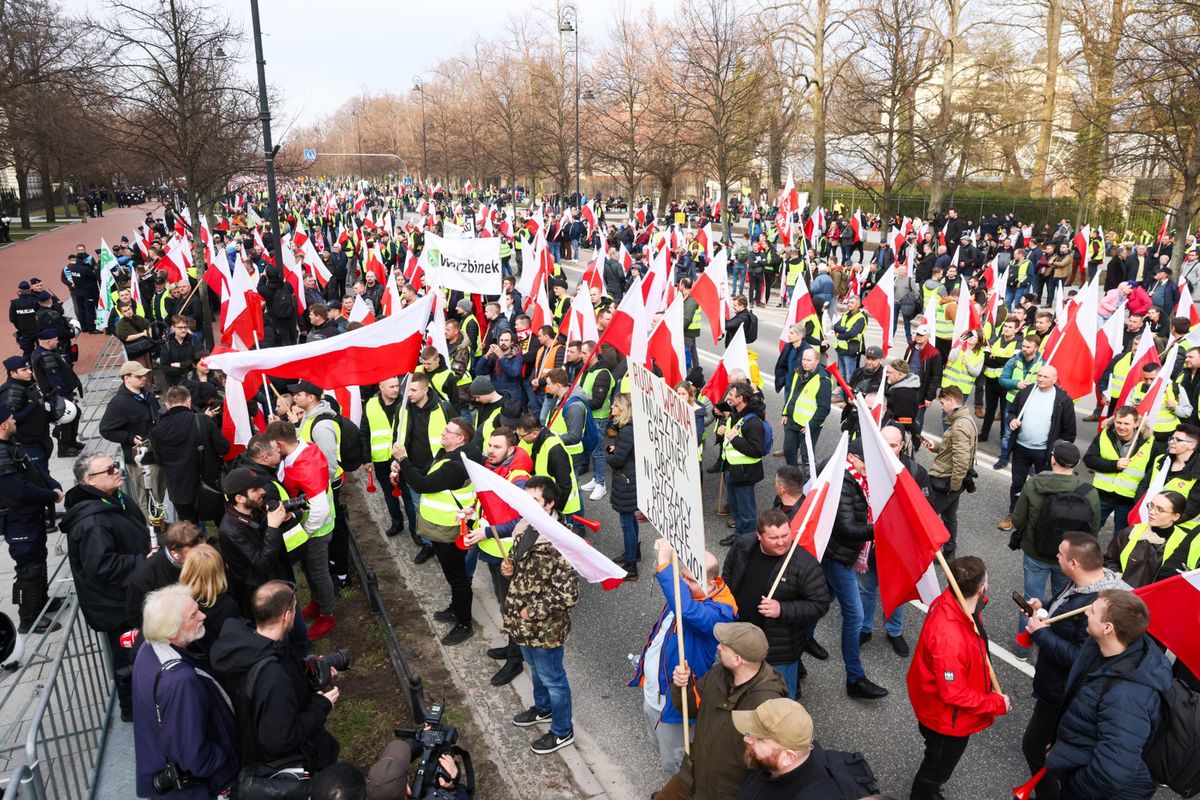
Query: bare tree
<point x="1038" y="183"/>
<point x="618" y="131"/>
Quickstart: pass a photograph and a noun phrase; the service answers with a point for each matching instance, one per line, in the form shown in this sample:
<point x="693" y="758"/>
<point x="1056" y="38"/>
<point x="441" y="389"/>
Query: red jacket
<point x="948" y="682"/>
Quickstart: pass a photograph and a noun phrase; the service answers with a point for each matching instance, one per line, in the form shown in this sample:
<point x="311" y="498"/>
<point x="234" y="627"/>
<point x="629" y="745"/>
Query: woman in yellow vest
<point x="964" y="364"/>
<point x="1158" y="548"/>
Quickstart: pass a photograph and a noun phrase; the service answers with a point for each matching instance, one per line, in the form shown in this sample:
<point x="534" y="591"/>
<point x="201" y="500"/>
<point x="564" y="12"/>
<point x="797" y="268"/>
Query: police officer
<point x="27" y="496"/>
<point x="56" y="378"/>
<point x="24" y="401"/>
<point x="22" y="313"/>
<point x="51" y="318"/>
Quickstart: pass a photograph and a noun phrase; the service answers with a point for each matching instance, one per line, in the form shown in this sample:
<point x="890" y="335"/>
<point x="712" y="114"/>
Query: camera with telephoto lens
<point x="437" y="739"/>
<point x="293" y="505"/>
<point x="317" y="668"/>
<point x="173" y="778"/>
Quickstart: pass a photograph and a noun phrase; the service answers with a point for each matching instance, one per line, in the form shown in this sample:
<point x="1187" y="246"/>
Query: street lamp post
<point x="358" y="134"/>
<point x="264" y="114"/>
<point x="568" y="22"/>
<point x="419" y="86"/>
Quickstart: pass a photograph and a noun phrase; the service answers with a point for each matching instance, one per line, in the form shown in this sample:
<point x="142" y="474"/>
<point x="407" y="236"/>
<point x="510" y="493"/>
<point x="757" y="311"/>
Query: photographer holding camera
<point x="183" y="726"/>
<point x="281" y="700"/>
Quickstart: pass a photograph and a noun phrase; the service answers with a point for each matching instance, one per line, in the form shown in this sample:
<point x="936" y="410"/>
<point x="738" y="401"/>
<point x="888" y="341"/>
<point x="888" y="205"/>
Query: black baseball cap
<point x="240" y="480"/>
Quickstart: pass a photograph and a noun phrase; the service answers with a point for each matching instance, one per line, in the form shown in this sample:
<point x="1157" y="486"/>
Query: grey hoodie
<point x="324" y="434"/>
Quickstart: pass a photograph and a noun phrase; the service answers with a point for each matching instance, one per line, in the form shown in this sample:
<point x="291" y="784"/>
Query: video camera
<point x="438" y="739"/>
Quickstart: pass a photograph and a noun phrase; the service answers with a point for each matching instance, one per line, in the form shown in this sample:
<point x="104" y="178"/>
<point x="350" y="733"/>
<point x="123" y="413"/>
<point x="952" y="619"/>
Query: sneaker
<point x="457" y="635"/>
<point x="424" y="554"/>
<point x="865" y="690"/>
<point x="899" y="644"/>
<point x="1001" y="464"/>
<point x="587" y="487"/>
<point x="510" y="670"/>
<point x="396" y="529"/>
<point x="728" y="540"/>
<point x="1006" y="523"/>
<point x="531" y="716"/>
<point x="814" y="649"/>
<point x="778" y="454"/>
<point x="549" y="743"/>
<point x="310" y="611"/>
<point x="445" y="615"/>
<point x="322" y="626"/>
<point x="599" y="492"/>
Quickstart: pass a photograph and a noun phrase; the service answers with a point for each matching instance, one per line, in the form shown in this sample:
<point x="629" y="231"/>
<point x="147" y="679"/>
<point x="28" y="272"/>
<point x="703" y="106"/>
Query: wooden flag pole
<point x="788" y="558"/>
<point x="1067" y="615"/>
<point x="687" y="747"/>
<point x="962" y="602"/>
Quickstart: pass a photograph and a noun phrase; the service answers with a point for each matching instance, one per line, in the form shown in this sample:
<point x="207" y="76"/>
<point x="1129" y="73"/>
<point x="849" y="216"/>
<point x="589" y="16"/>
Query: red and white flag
<point x="361" y="357"/>
<point x="665" y="348"/>
<point x="735" y="359"/>
<point x="907" y="530"/>
<point x="880" y="303"/>
<point x="1109" y="341"/>
<point x="709" y="293"/>
<point x="1074" y="353"/>
<point x="361" y="311"/>
<point x="504" y="498"/>
<point x="966" y="318"/>
<point x="800" y="309"/>
<point x="1174" y="605"/>
<point x="349" y="400"/>
<point x="813" y="522"/>
<point x="1145" y="353"/>
<point x="629" y="327"/>
<point x="1140" y="511"/>
<point x="1151" y="404"/>
<point x="580" y="320"/>
<point x="1187" y="306"/>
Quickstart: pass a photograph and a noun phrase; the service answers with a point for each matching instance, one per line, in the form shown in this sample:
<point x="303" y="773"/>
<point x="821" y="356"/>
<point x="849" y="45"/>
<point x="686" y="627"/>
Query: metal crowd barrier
<point x="71" y="702"/>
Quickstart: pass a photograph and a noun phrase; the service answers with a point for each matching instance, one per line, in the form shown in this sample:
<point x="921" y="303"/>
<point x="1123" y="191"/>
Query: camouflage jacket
<point x="545" y="583"/>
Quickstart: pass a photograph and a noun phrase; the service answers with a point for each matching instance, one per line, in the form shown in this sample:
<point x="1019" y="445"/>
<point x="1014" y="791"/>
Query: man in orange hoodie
<point x="949" y="681"/>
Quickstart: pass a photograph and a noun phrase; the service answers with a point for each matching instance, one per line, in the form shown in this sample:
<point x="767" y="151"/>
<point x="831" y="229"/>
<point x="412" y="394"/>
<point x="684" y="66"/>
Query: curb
<point x="581" y="771"/>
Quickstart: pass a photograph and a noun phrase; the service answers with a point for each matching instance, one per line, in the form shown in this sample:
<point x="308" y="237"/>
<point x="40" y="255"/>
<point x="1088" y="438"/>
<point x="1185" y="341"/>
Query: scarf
<point x="862" y="563"/>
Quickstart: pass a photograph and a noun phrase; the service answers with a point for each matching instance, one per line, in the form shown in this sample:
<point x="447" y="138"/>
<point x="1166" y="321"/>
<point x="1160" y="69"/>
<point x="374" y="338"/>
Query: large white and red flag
<point x="500" y="499"/>
<point x="1174" y="605"/>
<point x="880" y="303"/>
<point x="665" y="348"/>
<point x="358" y="358"/>
<point x="1074" y="353"/>
<point x="629" y="327"/>
<point x="709" y="293"/>
<point x="966" y="317"/>
<point x="800" y="309"/>
<point x="1152" y="402"/>
<point x="1109" y="341"/>
<point x="908" y="533"/>
<point x="813" y="522"/>
<point x="1145" y="353"/>
<point x="579" y="323"/>
<point x="735" y="359"/>
<point x="361" y="311"/>
<point x="1186" y="307"/>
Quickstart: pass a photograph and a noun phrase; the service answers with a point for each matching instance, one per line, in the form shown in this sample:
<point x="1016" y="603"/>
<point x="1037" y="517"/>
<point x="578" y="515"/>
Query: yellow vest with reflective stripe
<point x="733" y="456"/>
<point x="381" y="430"/>
<point x="804" y="402"/>
<point x="487" y="424"/>
<point x="999" y="349"/>
<point x="848" y="320"/>
<point x="1116" y="382"/>
<point x="943" y="326"/>
<point x="559" y="426"/>
<point x="441" y="508"/>
<point x="589" y="382"/>
<point x="305" y="433"/>
<point x="541" y="467"/>
<point x="437" y="423"/>
<point x="1125" y="482"/>
<point x="1022" y="371"/>
<point x="957" y="372"/>
<point x="1179" y="534"/>
<point x="296" y="535"/>
<point x="1167" y="421"/>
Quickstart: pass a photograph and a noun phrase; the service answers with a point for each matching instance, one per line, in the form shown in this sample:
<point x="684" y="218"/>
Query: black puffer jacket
<point x="622" y="487"/>
<point x="185" y="353"/>
<point x="803" y="597"/>
<point x="254" y="553"/>
<point x="752" y="442"/>
<point x="850" y="526"/>
<point x="106" y="538"/>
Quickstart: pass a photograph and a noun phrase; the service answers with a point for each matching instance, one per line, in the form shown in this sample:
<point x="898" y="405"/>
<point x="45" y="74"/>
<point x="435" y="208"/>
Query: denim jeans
<point x="1006" y="437"/>
<point x="897" y="318"/>
<point x="791" y="676"/>
<point x="556" y="250"/>
<point x="1036" y="575"/>
<point x="847" y="251"/>
<point x="843" y="585"/>
<point x="1119" y="511"/>
<point x="742" y="506"/>
<point x="599" y="465"/>
<point x="868" y="592"/>
<point x="630" y="533"/>
<point x="739" y="280"/>
<point x="793" y="445"/>
<point x="1012" y="295"/>
<point x="846" y="365"/>
<point x="550" y="687"/>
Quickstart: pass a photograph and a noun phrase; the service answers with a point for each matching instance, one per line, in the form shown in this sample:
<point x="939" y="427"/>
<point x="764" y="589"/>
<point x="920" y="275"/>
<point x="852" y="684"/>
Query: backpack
<point x="850" y="771"/>
<point x="350" y="451"/>
<point x="770" y="434"/>
<point x="1171" y="754"/>
<point x="283" y="302"/>
<point x="591" y="433"/>
<point x="1061" y="512"/>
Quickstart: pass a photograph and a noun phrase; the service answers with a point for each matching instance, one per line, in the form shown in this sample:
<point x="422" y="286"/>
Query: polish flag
<point x="709" y="294"/>
<point x="1187" y="306"/>
<point x="361" y="357"/>
<point x="589" y="216"/>
<point x="705" y="237"/>
<point x="625" y="259"/>
<point x="349" y="400"/>
<point x="241" y="311"/>
<point x="312" y="259"/>
<point x="1074" y="353"/>
<point x="414" y="273"/>
<point x="542" y="266"/>
<point x="989" y="274"/>
<point x="735" y="359"/>
<point x="1151" y="404"/>
<point x="540" y="311"/>
<point x="1140" y="511"/>
<point x="813" y="523"/>
<point x="580" y="320"/>
<point x="594" y="274"/>
<point x="361" y="311"/>
<point x="1162" y="231"/>
<point x="1174" y="605"/>
<point x="503" y="498"/>
<point x="375" y="264"/>
<point x="1109" y="341"/>
<point x="880" y="303"/>
<point x="435" y="334"/>
<point x="1081" y="241"/>
<point x="1145" y="353"/>
<point x="665" y="348"/>
<point x="629" y="328"/>
<point x="966" y="318"/>
<point x="857" y="225"/>
<point x="657" y="278"/>
<point x="908" y="533"/>
<point x="800" y="309"/>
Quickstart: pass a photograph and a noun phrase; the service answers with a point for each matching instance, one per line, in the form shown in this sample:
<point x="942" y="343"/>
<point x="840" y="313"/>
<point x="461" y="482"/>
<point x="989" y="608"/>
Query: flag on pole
<point x="665" y="348"/>
<point x="361" y="311"/>
<point x="800" y="310"/>
<point x="708" y="294"/>
<point x="735" y="359"/>
<point x="1174" y="605"/>
<point x="813" y="522"/>
<point x="880" y="303"/>
<point x="1074" y="352"/>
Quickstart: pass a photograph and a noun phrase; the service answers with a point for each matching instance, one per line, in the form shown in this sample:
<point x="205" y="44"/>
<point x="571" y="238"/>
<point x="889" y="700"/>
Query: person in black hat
<point x="21" y="395"/>
<point x="56" y="378"/>
<point x="85" y="288"/>
<point x="22" y="313"/>
<point x="28" y="495"/>
<point x="36" y="287"/>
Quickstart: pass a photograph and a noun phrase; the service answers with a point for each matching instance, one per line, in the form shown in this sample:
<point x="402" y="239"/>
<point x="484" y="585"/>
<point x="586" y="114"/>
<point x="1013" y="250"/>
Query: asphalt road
<point x="609" y="626"/>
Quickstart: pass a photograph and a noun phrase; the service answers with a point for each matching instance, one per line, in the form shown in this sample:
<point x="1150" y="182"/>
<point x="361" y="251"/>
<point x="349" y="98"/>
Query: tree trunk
<point x="775" y="156"/>
<point x="22" y="170"/>
<point x="47" y="190"/>
<point x="1038" y="178"/>
<point x="818" y="106"/>
<point x="941" y="151"/>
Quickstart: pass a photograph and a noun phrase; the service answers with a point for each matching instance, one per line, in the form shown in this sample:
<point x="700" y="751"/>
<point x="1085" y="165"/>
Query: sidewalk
<point x="45" y="255"/>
